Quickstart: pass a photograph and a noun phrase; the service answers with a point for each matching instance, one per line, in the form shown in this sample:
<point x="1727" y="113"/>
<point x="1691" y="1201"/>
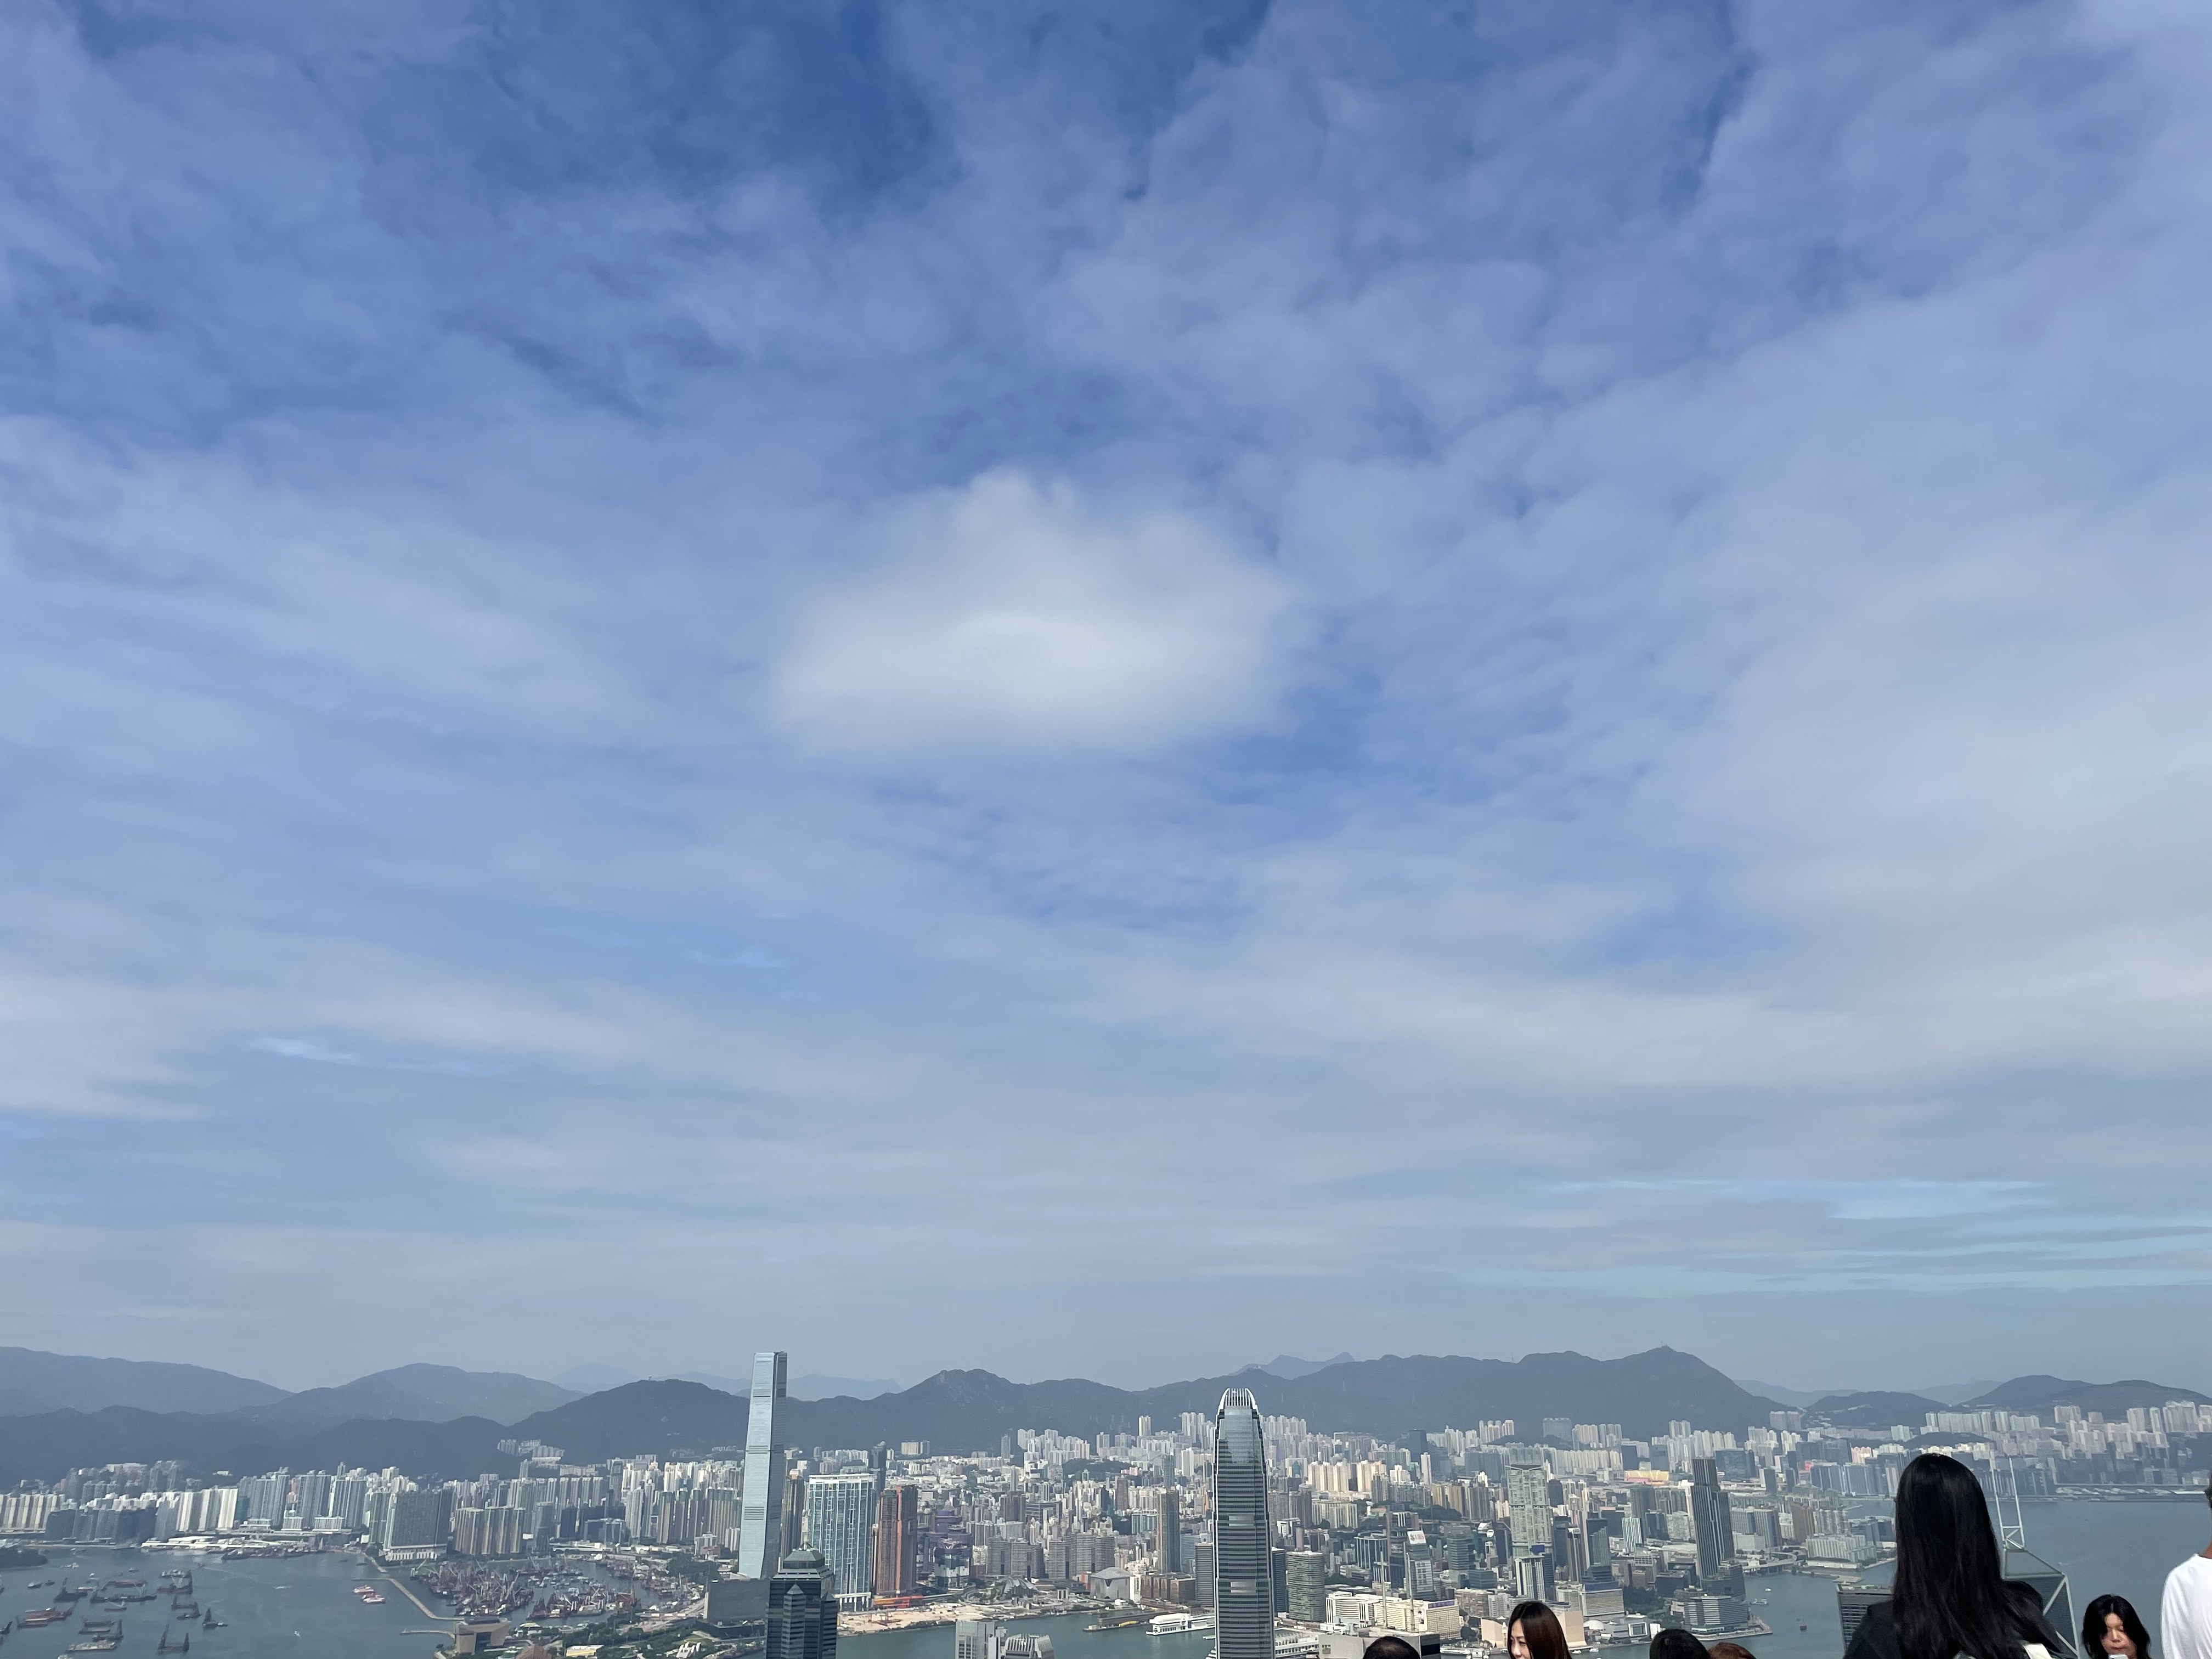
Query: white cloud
<point x="1016" y="616"/>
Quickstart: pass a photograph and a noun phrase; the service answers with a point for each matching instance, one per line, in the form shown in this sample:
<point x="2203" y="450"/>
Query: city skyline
<point x="873" y="642"/>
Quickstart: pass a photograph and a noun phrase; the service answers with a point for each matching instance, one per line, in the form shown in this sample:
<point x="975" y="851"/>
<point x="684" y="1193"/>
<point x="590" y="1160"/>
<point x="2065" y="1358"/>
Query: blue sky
<point x="1106" y="689"/>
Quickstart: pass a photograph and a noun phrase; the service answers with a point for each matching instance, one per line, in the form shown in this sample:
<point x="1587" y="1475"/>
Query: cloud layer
<point x="1455" y="680"/>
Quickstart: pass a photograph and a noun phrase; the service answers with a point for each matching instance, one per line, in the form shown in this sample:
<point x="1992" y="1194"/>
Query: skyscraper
<point x="802" y="1608"/>
<point x="1307" y="1573"/>
<point x="895" y="1519"/>
<point x="1528" y="1502"/>
<point x="1167" y="1537"/>
<point x="760" y="1526"/>
<point x="841" y="1514"/>
<point x="1710" y="1520"/>
<point x="1243" y="1584"/>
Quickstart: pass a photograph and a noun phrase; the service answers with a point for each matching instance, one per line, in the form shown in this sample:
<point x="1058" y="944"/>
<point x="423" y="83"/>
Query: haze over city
<point x="1106" y="690"/>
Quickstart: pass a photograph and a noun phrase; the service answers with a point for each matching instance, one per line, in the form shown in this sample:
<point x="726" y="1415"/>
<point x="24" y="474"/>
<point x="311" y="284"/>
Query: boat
<point x="209" y="1621"/>
<point x="37" y="1616"/>
<point x="1180" y="1624"/>
<point x="372" y="1599"/>
<point x="167" y="1646"/>
<point x="189" y="1610"/>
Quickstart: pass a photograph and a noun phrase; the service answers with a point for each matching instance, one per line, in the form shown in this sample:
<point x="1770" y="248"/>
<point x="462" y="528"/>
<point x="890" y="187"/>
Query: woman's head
<point x="1534" y="1633"/>
<point x="1672" y="1643"/>
<point x="1943" y="1531"/>
<point x="1730" y="1650"/>
<point x="1951" y="1595"/>
<point x="1390" y="1647"/>
<point x="2111" y="1626"/>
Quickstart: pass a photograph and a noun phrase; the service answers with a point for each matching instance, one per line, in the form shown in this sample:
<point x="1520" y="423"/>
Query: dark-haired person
<point x="1390" y="1647"/>
<point x="1674" y="1643"/>
<point x="2184" y="1617"/>
<point x="1730" y="1650"/>
<point x="1534" y="1633"/>
<point x="2110" y="1626"/>
<point x="1951" y="1596"/>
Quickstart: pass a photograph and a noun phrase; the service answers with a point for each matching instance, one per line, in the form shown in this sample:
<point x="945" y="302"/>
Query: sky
<point x="1106" y="689"/>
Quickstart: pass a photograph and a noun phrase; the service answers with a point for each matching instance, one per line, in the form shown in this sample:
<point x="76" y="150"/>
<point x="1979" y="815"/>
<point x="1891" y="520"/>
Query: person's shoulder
<point x="2194" y="1568"/>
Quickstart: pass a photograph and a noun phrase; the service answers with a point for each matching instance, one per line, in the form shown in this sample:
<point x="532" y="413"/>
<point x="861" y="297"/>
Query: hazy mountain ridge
<point x="424" y="1394"/>
<point x="32" y="1380"/>
<point x="2040" y="1394"/>
<point x="1874" y="1408"/>
<point x="1396" y="1396"/>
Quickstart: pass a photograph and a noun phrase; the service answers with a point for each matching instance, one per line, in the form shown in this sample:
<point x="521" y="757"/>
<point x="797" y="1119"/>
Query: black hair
<point x="2093" y="1627"/>
<point x="1539" y="1629"/>
<point x="1390" y="1647"/>
<point x="1672" y="1643"/>
<point x="1951" y="1595"/>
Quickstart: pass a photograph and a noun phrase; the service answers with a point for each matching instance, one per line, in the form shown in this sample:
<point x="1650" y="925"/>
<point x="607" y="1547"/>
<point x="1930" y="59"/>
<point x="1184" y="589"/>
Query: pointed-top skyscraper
<point x="760" y="1523"/>
<point x="1243" y="1585"/>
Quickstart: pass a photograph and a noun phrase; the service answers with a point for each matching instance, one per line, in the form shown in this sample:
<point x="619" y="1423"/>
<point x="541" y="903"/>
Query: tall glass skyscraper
<point x="1710" y="1523"/>
<point x="802" y="1610"/>
<point x="841" y="1518"/>
<point x="1243" y="1582"/>
<point x="760" y="1523"/>
<point x="896" y="1517"/>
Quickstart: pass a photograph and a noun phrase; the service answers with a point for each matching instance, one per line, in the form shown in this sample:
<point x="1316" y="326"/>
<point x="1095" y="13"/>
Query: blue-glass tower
<point x="760" y="1522"/>
<point x="1243" y="1584"/>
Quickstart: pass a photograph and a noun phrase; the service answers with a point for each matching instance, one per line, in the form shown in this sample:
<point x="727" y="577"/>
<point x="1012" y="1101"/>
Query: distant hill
<point x="1952" y="1393"/>
<point x="47" y="1446"/>
<point x="970" y="1410"/>
<point x="1873" y="1409"/>
<point x="1395" y="1395"/>
<point x="2040" y="1393"/>
<point x="814" y="1386"/>
<point x="1795" y="1399"/>
<point x="594" y="1377"/>
<point x="31" y="1382"/>
<point x="1291" y="1367"/>
<point x="424" y="1394"/>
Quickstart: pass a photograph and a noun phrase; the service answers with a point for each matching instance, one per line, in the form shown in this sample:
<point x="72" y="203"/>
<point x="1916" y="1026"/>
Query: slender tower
<point x="1243" y="1585"/>
<point x="760" y="1523"/>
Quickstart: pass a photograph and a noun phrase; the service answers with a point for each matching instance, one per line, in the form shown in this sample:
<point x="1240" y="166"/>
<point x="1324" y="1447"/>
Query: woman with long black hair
<point x="1534" y="1633"/>
<point x="1951" y="1595"/>
<point x="2112" y="1629"/>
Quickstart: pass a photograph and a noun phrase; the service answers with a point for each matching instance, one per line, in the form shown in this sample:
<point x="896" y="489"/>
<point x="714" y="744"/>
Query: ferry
<point x="1180" y="1624"/>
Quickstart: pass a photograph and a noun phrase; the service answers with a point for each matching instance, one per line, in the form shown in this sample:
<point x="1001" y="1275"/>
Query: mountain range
<point x="31" y="1382"/>
<point x="434" y="1419"/>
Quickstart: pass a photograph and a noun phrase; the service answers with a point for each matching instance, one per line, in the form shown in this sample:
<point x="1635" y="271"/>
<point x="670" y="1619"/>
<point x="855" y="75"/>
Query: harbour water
<point x="303" y="1606"/>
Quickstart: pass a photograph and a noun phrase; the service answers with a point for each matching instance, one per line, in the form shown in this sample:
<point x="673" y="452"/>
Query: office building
<point x="1528" y="1502"/>
<point x="419" y="1521"/>
<point x="840" y="1517"/>
<point x="761" y="1524"/>
<point x="897" y="1544"/>
<point x="1167" y="1540"/>
<point x="1532" y="1574"/>
<point x="1710" y="1521"/>
<point x="1306" y="1581"/>
<point x="802" y="1603"/>
<point x="1243" y="1580"/>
